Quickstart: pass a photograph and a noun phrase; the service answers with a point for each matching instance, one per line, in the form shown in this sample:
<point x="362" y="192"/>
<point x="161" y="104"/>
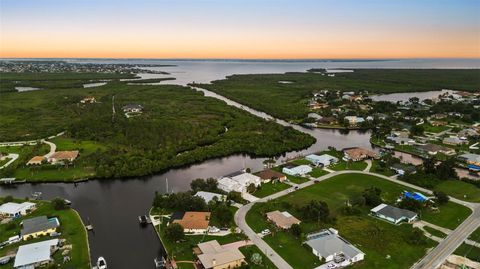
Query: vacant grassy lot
<point x="461" y="190"/>
<point x="267" y="189"/>
<point x="248" y="251"/>
<point x="317" y="172"/>
<point x="362" y="230"/>
<point x="434" y="232"/>
<point x="288" y="101"/>
<point x="471" y="252"/>
<point x="71" y="228"/>
<point x="343" y="165"/>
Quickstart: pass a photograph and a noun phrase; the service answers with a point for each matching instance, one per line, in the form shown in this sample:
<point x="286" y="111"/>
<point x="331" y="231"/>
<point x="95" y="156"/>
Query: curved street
<point x="431" y="261"/>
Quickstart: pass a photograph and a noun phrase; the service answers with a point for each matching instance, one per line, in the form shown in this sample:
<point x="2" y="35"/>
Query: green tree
<point x="174" y="232"/>
<point x="223" y="215"/>
<point x="316" y="211"/>
<point x="441" y="197"/>
<point x="417" y="130"/>
<point x="296" y="230"/>
<point x="372" y="196"/>
<point x="59" y="204"/>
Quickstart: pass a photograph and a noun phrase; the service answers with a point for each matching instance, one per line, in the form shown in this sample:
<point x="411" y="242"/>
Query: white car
<point x="266" y="232"/>
<point x="213" y="230"/>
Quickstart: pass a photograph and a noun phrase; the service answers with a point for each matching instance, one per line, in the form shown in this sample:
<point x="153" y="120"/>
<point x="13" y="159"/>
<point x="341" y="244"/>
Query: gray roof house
<point x="393" y="214"/>
<point x="327" y="244"/>
<point x="38" y="226"/>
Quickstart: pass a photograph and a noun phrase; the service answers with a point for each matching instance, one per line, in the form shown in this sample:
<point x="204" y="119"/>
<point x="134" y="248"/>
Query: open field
<point x="461" y="190"/>
<point x="71" y="229"/>
<point x="471" y="252"/>
<point x="360" y="229"/>
<point x="288" y="101"/>
<point x="178" y="126"/>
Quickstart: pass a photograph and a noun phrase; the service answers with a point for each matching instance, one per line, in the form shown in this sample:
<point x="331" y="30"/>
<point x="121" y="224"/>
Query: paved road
<point x="12" y="157"/>
<point x="430" y="261"/>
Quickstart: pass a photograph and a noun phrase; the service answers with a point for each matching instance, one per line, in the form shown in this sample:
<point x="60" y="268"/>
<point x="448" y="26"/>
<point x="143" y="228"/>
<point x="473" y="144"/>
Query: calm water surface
<point x="112" y="206"/>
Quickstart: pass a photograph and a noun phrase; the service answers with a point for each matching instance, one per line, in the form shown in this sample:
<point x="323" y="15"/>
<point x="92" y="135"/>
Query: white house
<point x="393" y="214"/>
<point x="331" y="247"/>
<point x="322" y="160"/>
<point x="238" y="182"/>
<point x="15" y="210"/>
<point x="209" y="196"/>
<point x="354" y="120"/>
<point x="296" y="170"/>
<point x="36" y="254"/>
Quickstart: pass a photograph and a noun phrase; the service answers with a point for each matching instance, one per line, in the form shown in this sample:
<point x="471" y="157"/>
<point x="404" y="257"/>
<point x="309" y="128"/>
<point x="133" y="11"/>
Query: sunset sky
<point x="240" y="28"/>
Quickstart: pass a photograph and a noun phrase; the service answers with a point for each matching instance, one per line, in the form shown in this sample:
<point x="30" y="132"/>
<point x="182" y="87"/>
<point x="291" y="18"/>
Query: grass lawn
<point x="270" y="188"/>
<point x="318" y="172"/>
<point x="4" y="161"/>
<point x="301" y="162"/>
<point x="471" y="252"/>
<point x="248" y="251"/>
<point x="85" y="147"/>
<point x="71" y="229"/>
<point x="342" y="165"/>
<point x="461" y="190"/>
<point x="435" y="129"/>
<point x="434" y="232"/>
<point x="475" y="235"/>
<point x="362" y="230"/>
<point x="52" y="173"/>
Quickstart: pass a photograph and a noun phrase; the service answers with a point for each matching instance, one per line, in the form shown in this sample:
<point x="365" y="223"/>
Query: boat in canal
<point x="101" y="263"/>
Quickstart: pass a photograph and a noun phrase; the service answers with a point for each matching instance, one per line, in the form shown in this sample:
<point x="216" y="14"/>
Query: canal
<point x="112" y="206"/>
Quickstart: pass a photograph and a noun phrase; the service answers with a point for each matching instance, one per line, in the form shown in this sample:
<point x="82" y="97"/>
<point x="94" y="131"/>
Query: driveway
<point x="12" y="156"/>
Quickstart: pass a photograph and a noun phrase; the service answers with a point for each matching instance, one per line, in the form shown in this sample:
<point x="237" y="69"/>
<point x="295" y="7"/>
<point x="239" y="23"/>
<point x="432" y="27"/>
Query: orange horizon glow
<point x="260" y="29"/>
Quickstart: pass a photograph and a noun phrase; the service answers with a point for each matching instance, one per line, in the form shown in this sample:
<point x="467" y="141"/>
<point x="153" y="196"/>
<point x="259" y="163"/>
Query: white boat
<point x="101" y="263"/>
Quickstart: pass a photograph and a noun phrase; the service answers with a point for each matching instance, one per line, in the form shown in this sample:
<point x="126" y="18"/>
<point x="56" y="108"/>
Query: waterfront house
<point x="393" y="214"/>
<point x="469" y="132"/>
<point x="470" y="158"/>
<point x="211" y="255"/>
<point x="14" y="210"/>
<point x="314" y="116"/>
<point x="38" y="226"/>
<point x="358" y="154"/>
<point x="331" y="247"/>
<point x="322" y="160"/>
<point x="354" y="120"/>
<point x="282" y="220"/>
<point x="62" y="156"/>
<point x="402" y="169"/>
<point x="400" y="140"/>
<point x="327" y="120"/>
<point x="400" y="133"/>
<point x="238" y="181"/>
<point x="36" y="160"/>
<point x="194" y="222"/>
<point x="210" y="196"/>
<point x="433" y="149"/>
<point x="299" y="170"/>
<point x="271" y="175"/>
<point x="36" y="254"/>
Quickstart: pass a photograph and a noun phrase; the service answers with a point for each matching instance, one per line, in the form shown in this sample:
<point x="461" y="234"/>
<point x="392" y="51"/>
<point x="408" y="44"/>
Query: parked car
<point x="213" y="229"/>
<point x="266" y="232"/>
<point x="316" y="181"/>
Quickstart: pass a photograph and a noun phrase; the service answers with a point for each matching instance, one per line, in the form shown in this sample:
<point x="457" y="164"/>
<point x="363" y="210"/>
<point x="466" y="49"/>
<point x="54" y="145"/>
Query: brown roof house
<point x="194" y="222"/>
<point x="61" y="156"/>
<point x="269" y="175"/>
<point x="433" y="149"/>
<point x="358" y="154"/>
<point x="37" y="160"/>
<point x="215" y="256"/>
<point x="283" y="220"/>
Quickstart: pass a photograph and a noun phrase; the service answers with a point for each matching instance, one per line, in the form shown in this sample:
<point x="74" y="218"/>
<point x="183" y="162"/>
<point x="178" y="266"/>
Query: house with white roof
<point x="470" y="158"/>
<point x="354" y="120"/>
<point x="296" y="170"/>
<point x="331" y="247"/>
<point x="210" y="196"/>
<point x="322" y="160"/>
<point x="238" y="182"/>
<point x="15" y="210"/>
<point x="36" y="254"/>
